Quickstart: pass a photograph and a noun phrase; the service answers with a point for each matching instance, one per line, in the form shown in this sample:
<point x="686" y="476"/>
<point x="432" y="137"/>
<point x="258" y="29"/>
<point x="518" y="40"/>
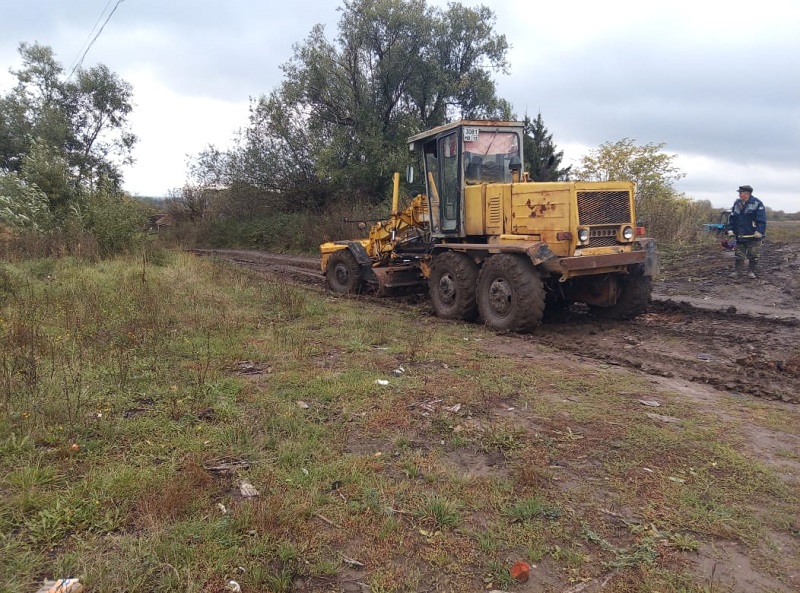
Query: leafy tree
<point x="670" y="216"/>
<point x="82" y="121"/>
<point x="541" y="159"/>
<point x="99" y="104"/>
<point x="112" y="217"/>
<point x="652" y="171"/>
<point x="191" y="203"/>
<point x="62" y="140"/>
<point x="47" y="169"/>
<point x="339" y="121"/>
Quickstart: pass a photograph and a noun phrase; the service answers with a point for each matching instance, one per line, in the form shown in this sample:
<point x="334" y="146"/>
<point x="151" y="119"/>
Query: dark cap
<point x="746" y="188"/>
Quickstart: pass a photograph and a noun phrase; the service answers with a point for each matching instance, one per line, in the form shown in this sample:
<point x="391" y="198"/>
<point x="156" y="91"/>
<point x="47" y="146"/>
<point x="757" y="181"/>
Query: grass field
<point x="784" y="230"/>
<point x="137" y="395"/>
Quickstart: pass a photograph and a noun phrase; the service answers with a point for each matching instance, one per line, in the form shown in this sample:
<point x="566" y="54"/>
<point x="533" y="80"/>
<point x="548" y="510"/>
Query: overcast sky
<point x="718" y="83"/>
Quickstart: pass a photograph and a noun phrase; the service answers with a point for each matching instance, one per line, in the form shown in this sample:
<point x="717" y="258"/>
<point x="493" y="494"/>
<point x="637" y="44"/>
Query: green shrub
<point x="675" y="218"/>
<point x="22" y="205"/>
<point x="114" y="219"/>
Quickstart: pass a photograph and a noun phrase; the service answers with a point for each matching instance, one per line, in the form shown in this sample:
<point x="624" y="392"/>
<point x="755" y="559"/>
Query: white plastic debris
<point x="61" y="586"/>
<point x="381" y="382"/>
<point x="247" y="490"/>
<point x="650" y="402"/>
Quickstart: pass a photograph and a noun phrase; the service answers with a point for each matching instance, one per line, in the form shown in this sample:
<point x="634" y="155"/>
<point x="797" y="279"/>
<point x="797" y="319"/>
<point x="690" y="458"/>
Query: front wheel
<point x="634" y="297"/>
<point x="510" y="293"/>
<point x="342" y="273"/>
<point x="452" y="286"/>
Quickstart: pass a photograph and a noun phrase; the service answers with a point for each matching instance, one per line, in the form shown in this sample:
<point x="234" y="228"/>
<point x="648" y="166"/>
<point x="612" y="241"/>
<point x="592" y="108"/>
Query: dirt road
<point x="738" y="336"/>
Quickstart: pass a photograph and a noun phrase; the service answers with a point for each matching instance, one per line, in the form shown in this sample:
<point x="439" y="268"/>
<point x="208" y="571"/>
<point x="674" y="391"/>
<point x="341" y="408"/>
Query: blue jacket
<point x="747" y="218"/>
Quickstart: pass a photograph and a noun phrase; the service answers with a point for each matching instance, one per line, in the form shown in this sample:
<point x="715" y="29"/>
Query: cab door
<point x="449" y="183"/>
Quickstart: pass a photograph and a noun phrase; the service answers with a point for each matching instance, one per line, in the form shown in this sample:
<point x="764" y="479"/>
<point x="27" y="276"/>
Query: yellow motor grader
<point x="488" y="242"/>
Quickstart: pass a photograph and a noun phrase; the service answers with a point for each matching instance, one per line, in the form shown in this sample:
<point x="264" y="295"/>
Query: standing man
<point x="748" y="222"/>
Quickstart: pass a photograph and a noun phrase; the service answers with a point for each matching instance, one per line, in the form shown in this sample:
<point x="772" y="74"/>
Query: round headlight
<point x="583" y="235"/>
<point x="627" y="233"/>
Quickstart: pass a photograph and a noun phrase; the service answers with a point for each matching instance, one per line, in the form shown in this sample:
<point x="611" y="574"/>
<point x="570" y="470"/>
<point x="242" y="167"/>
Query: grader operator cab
<point x="490" y="243"/>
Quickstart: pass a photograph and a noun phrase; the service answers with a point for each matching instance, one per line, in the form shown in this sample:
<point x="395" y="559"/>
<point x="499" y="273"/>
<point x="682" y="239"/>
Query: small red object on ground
<point x="520" y="571"/>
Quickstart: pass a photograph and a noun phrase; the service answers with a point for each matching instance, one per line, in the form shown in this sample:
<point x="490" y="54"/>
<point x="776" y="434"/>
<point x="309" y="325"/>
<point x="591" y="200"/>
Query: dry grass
<point x="787" y="231"/>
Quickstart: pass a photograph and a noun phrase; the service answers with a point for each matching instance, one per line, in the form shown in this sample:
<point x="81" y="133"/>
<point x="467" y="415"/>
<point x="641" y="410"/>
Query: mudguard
<point x="539" y="253"/>
<point x="652" y="261"/>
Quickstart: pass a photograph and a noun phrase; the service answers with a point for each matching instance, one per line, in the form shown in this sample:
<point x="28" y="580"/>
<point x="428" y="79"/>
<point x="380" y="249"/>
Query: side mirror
<point x="410" y="174"/>
<point x="515" y="164"/>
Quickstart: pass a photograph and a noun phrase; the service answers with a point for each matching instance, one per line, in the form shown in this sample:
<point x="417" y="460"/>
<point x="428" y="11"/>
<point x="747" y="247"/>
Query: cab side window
<point x="449" y="191"/>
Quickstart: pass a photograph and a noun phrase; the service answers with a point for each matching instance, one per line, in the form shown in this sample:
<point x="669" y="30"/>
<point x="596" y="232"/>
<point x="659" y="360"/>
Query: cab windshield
<point x="487" y="154"/>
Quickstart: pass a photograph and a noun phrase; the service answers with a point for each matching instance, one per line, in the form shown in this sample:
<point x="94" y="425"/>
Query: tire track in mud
<point x="741" y="353"/>
<point x="728" y="351"/>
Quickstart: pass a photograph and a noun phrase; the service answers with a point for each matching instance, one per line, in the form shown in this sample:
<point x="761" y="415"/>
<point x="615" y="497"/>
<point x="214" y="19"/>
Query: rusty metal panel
<point x="539" y="253"/>
<point x="540" y="211"/>
<point x="587" y="262"/>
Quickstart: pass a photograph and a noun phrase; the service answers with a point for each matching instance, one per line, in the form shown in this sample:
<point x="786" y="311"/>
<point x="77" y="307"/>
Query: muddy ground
<point x="720" y="343"/>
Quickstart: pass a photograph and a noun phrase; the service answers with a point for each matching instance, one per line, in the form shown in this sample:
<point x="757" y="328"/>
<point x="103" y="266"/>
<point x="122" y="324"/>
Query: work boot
<point x="751" y="269"/>
<point x="751" y="275"/>
<point x="739" y="270"/>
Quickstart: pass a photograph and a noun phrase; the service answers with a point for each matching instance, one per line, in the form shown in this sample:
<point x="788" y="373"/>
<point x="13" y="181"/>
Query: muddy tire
<point x="453" y="282"/>
<point x="342" y="273"/>
<point x="510" y="294"/>
<point x="634" y="297"/>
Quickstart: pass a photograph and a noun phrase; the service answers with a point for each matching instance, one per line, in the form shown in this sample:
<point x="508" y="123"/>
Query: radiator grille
<point x="604" y="207"/>
<point x="602" y="241"/>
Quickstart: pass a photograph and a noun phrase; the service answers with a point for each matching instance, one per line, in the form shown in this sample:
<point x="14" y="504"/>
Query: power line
<point x="91" y="43"/>
<point x="74" y="62"/>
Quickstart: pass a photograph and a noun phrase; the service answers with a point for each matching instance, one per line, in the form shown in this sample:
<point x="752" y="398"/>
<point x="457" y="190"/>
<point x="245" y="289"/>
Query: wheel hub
<point x="500" y="296"/>
<point x="342" y="274"/>
<point x="447" y="289"/>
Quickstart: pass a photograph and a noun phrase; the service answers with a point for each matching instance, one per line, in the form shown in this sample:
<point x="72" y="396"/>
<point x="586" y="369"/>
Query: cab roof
<point x="415" y="142"/>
